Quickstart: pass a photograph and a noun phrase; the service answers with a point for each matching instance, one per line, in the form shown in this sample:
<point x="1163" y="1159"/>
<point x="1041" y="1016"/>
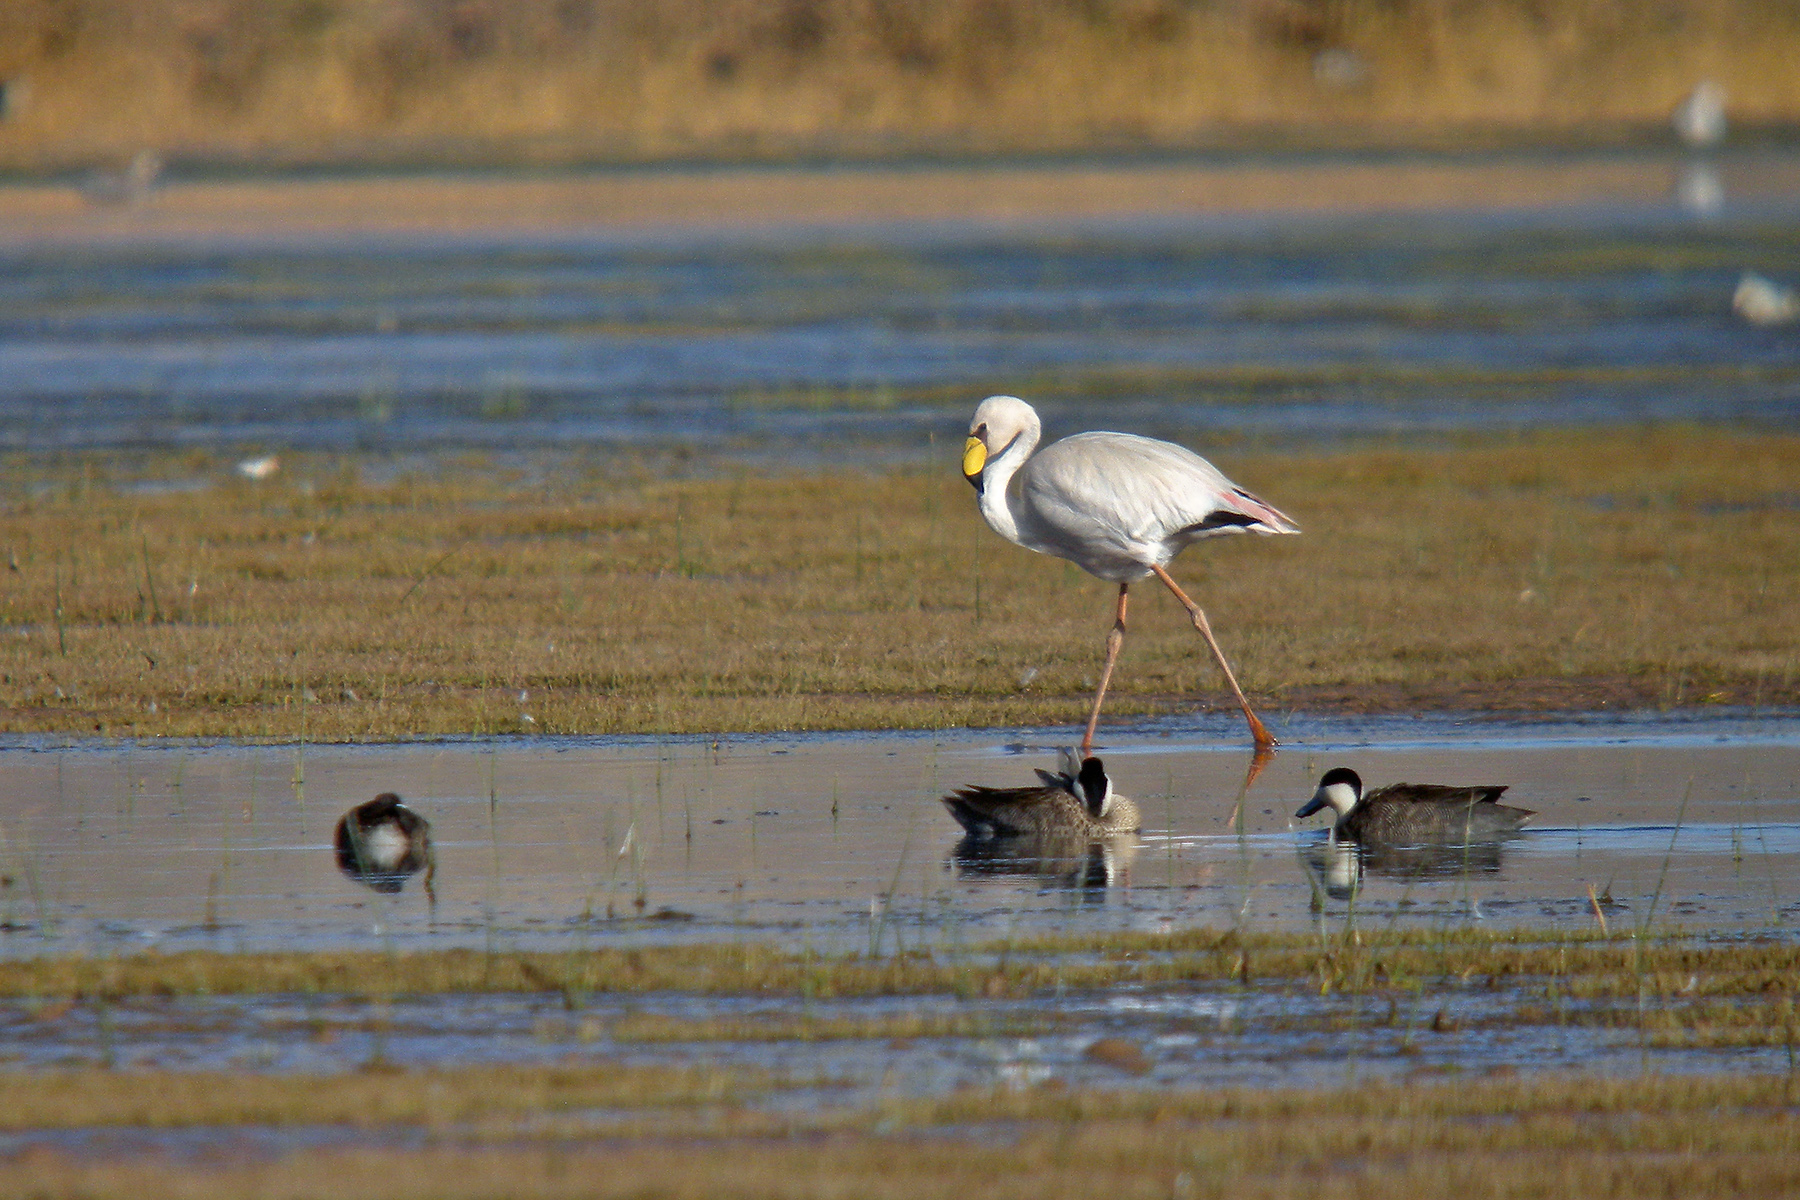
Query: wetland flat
<point x="549" y="475"/>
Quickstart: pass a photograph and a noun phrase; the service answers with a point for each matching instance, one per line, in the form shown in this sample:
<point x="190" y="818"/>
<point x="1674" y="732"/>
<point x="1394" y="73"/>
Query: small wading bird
<point x="1116" y="505"/>
<point x="1077" y="801"/>
<point x="1413" y="813"/>
<point x="1699" y="119"/>
<point x="382" y="842"/>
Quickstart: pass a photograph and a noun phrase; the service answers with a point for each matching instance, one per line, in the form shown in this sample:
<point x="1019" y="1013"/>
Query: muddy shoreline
<point x="736" y="201"/>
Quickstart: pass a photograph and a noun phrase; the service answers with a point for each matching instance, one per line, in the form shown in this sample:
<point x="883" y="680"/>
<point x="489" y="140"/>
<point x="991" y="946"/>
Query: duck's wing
<point x="1426" y="813"/>
<point x="1437" y="793"/>
<point x="1007" y="812"/>
<point x="411" y="823"/>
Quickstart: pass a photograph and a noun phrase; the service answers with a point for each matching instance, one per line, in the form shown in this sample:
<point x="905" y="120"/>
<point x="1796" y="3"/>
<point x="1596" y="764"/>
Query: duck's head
<point x="999" y="422"/>
<point x="1095" y="787"/>
<point x="1340" y="787"/>
<point x="385" y="807"/>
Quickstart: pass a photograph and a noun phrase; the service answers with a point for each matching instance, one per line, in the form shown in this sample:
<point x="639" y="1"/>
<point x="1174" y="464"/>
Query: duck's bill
<point x="974" y="459"/>
<point x="1311" y="806"/>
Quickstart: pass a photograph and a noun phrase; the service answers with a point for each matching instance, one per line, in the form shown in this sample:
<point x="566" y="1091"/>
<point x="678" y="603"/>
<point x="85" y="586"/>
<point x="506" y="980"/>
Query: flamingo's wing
<point x="1117" y="486"/>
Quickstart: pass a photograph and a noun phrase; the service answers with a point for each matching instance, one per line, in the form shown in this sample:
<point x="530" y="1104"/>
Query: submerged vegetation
<point x="347" y="598"/>
<point x="579" y="80"/>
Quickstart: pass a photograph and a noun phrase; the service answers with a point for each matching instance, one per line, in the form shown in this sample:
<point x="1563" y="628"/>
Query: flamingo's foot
<point x="1263" y="757"/>
<point x="1259" y="733"/>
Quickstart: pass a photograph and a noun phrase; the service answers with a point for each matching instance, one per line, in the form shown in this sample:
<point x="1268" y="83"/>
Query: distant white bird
<point x="1764" y="302"/>
<point x="1116" y="505"/>
<point x="259" y="468"/>
<point x="1699" y="119"/>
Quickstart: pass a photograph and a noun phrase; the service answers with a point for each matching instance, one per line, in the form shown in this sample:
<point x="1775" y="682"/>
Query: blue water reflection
<point x="1302" y="327"/>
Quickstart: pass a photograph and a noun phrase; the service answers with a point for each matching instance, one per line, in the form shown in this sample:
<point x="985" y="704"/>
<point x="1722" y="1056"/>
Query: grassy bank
<point x="562" y="80"/>
<point x="1758" y="977"/>
<point x="1600" y="569"/>
<point x="1702" y="1136"/>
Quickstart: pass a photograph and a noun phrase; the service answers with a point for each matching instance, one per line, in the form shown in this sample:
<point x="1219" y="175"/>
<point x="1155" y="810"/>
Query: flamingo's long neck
<point x="996" y="481"/>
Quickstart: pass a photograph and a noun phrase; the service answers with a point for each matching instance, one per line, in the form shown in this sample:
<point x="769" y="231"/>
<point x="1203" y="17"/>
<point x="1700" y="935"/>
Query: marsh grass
<point x="1689" y="1136"/>
<point x="65" y="1099"/>
<point x="559" y="80"/>
<point x="1558" y="570"/>
<point x="591" y="1126"/>
<point x="1586" y="966"/>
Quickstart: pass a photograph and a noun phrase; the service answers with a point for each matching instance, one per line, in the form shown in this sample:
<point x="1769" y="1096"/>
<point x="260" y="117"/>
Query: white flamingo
<point x="1116" y="505"/>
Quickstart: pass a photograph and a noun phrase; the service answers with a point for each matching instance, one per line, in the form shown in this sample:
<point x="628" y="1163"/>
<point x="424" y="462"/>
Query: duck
<point x="1763" y="301"/>
<point x="1078" y="801"/>
<point x="1415" y="813"/>
<point x="1117" y="505"/>
<point x="382" y="842"/>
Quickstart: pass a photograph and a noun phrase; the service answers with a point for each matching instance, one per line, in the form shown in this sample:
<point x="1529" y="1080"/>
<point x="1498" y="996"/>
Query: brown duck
<point x="1076" y="801"/>
<point x="382" y="842"/>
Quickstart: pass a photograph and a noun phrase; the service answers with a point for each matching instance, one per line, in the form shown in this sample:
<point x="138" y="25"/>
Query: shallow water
<point x="785" y="345"/>
<point x="1187" y="1036"/>
<point x="839" y="842"/>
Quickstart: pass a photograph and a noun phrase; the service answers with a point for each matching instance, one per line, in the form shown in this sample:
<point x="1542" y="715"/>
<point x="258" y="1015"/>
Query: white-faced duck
<point x="1077" y="801"/>
<point x="1413" y="813"/>
<point x="382" y="842"/>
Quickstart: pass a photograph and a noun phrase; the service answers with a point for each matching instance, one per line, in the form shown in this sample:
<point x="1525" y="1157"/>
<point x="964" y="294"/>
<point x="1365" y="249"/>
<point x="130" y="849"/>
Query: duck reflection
<point x="1070" y="830"/>
<point x="383" y="843"/>
<point x="1338" y="865"/>
<point x="1083" y="863"/>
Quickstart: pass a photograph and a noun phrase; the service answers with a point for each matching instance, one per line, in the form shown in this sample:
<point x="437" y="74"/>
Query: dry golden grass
<point x="555" y="80"/>
<point x="1584" y="967"/>
<point x="1557" y="570"/>
<point x="1701" y="1136"/>
<point x="390" y="1096"/>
